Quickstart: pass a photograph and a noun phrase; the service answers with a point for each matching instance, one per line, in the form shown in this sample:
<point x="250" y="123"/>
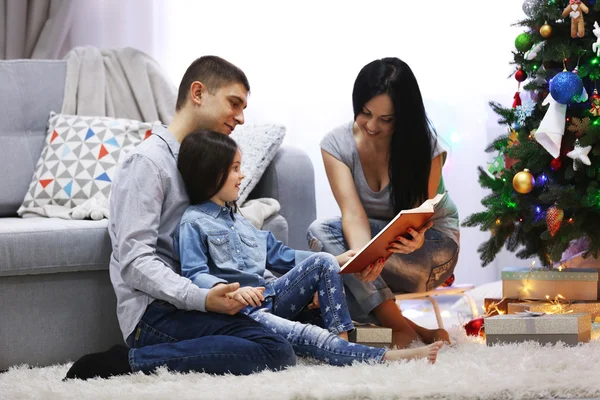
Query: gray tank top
<point x="340" y="143"/>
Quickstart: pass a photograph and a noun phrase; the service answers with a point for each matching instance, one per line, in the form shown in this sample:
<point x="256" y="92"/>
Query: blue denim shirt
<point x="215" y="245"/>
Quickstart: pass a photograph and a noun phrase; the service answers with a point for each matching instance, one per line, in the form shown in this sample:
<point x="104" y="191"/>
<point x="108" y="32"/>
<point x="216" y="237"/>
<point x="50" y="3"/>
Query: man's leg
<point x="187" y="341"/>
<point x="208" y="342"/>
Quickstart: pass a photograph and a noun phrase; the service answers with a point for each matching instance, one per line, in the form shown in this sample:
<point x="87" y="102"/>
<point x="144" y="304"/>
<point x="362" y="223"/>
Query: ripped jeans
<point x="419" y="271"/>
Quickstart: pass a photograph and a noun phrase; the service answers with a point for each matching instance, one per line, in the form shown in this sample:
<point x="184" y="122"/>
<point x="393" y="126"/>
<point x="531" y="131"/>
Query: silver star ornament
<point x="579" y="153"/>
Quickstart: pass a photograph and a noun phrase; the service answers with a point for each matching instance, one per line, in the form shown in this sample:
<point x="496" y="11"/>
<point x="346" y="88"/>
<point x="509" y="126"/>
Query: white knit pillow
<point x="259" y="144"/>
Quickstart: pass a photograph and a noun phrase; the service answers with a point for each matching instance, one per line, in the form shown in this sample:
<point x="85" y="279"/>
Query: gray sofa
<point x="56" y="299"/>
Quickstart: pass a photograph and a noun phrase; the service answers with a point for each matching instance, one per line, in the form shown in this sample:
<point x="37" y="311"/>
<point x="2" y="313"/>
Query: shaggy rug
<point x="467" y="370"/>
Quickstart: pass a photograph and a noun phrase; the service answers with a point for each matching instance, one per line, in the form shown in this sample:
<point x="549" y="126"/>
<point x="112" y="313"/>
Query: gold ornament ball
<point x="523" y="182"/>
<point x="546" y="31"/>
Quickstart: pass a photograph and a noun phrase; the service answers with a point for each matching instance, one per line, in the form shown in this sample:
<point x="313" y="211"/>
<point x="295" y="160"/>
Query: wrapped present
<point x="580" y="307"/>
<point x="497" y="306"/>
<point x="570" y="329"/>
<point x="541" y="283"/>
<point x="371" y="335"/>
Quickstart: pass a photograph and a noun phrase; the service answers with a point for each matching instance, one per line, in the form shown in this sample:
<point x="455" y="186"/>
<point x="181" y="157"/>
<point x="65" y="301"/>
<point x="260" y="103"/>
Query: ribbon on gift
<point x="550" y="132"/>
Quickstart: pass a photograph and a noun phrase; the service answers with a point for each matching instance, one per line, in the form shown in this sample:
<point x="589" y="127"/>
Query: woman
<point x="386" y="160"/>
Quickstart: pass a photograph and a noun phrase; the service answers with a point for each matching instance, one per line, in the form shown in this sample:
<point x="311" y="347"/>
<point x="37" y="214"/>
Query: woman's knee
<point x="321" y="230"/>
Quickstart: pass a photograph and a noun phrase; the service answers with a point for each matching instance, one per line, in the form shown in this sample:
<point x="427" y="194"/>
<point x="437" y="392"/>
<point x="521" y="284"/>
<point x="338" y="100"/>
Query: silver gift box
<point x="570" y="329"/>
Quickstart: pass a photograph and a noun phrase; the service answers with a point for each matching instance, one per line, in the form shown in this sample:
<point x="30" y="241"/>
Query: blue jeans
<point x="208" y="342"/>
<point x="287" y="295"/>
<point x="422" y="270"/>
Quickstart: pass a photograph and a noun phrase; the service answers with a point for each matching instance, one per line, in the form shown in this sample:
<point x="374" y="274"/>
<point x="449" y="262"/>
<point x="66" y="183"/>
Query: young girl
<point x="217" y="246"/>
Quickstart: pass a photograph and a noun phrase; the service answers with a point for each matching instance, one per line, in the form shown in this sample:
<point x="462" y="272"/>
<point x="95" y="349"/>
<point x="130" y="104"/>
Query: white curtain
<point x="34" y="28"/>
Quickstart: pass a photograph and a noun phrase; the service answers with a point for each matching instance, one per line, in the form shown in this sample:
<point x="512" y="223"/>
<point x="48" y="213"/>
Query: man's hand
<point x="407" y="246"/>
<point x="248" y="295"/>
<point x="218" y="300"/>
<point x="344" y="257"/>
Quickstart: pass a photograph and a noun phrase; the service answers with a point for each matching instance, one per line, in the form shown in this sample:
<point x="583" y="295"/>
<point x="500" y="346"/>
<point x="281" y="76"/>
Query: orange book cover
<point x="414" y="218"/>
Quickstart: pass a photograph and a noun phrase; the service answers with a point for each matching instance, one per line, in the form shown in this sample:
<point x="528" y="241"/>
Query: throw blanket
<point x="257" y="211"/>
<point x="122" y="83"/>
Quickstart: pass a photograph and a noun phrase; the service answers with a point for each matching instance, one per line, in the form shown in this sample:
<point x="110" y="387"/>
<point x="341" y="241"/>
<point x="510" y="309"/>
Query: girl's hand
<point x="407" y="246"/>
<point x="344" y="257"/>
<point x="248" y="295"/>
<point x="371" y="273"/>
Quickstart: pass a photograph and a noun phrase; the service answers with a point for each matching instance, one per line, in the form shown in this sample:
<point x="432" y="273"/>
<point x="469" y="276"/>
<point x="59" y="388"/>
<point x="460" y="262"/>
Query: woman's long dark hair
<point x="414" y="137"/>
<point x="204" y="161"/>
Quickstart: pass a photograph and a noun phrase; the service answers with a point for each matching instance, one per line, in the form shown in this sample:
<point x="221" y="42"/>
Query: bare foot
<point x="401" y="339"/>
<point x="430" y="352"/>
<point x="343" y="335"/>
<point x="433" y="335"/>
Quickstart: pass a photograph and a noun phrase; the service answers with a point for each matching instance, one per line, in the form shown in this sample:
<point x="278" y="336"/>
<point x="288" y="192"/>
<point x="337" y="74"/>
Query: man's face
<point x="222" y="110"/>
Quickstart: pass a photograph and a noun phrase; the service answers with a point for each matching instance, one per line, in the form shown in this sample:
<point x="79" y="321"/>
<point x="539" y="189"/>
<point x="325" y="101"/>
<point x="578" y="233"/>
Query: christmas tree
<point x="545" y="176"/>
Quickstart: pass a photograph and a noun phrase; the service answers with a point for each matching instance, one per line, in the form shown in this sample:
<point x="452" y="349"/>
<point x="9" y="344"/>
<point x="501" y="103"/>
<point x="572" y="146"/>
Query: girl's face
<point x="231" y="189"/>
<point x="376" y="119"/>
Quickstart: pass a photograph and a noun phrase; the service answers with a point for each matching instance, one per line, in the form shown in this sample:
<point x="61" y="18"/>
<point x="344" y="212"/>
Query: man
<point x="164" y="317"/>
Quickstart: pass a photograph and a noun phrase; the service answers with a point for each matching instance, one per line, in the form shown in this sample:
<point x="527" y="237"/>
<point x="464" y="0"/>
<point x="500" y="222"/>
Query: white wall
<point x="302" y="58"/>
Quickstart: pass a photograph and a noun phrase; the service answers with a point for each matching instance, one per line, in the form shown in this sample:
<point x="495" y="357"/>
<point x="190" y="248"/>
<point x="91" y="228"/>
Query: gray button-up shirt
<point x="147" y="201"/>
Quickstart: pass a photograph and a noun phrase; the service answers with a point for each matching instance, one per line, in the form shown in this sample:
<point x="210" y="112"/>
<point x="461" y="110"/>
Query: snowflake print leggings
<point x="294" y="290"/>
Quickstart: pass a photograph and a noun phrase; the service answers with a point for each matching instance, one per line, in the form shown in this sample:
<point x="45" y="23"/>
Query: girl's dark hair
<point x="204" y="160"/>
<point x="414" y="137"/>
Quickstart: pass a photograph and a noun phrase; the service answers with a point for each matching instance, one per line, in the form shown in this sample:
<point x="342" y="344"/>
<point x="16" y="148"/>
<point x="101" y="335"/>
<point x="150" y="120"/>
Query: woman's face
<point x="376" y="118"/>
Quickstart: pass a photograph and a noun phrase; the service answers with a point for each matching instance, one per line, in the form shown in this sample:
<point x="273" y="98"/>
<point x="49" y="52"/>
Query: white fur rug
<point x="467" y="370"/>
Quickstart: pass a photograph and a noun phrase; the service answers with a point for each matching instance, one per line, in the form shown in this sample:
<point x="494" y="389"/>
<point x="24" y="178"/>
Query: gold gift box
<point x="541" y="283"/>
<point x="580" y="307"/>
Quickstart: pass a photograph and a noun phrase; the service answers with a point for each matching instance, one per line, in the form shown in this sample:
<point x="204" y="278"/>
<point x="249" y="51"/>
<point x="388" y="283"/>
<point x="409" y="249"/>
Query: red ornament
<point x="517" y="101"/>
<point x="554" y="218"/>
<point x="556" y="164"/>
<point x="475" y="327"/>
<point x="449" y="281"/>
<point x="520" y="75"/>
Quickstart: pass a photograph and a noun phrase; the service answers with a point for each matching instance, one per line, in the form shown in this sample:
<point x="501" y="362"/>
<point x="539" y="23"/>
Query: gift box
<point x="371" y="335"/>
<point x="493" y="306"/>
<point x="570" y="329"/>
<point x="541" y="284"/>
<point x="580" y="307"/>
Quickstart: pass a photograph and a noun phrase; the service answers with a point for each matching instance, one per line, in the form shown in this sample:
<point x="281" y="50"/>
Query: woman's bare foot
<point x="430" y="352"/>
<point x="433" y="335"/>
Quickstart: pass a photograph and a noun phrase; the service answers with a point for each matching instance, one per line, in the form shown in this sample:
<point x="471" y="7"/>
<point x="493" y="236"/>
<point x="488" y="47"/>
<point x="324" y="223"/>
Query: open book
<point x="414" y="218"/>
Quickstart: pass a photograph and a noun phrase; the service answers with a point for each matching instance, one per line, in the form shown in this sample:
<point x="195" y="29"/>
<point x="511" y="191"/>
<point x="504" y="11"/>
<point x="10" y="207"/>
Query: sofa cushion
<point x="79" y="160"/>
<point x="259" y="144"/>
<point x="30" y="89"/>
<point x="48" y="245"/>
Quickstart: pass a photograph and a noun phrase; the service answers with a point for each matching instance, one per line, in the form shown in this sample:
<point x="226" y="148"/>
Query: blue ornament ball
<point x="565" y="87"/>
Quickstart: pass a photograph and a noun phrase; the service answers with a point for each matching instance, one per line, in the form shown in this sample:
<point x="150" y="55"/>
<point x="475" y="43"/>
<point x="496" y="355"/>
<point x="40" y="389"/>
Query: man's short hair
<point x="214" y="72"/>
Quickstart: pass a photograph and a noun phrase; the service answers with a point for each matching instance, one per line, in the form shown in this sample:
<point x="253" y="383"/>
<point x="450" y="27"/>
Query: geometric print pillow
<point x="79" y="159"/>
